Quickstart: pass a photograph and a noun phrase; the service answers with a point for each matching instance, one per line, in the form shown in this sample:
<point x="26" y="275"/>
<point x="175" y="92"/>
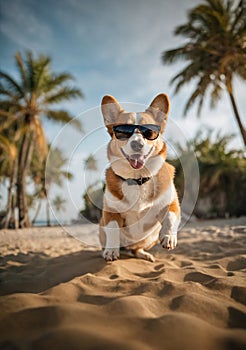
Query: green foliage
<point x="37" y="90"/>
<point x="91" y="163"/>
<point x="35" y="94"/>
<point x="215" y="49"/>
<point x="45" y="174"/>
<point x="93" y="199"/>
<point x="222" y="175"/>
<point x="49" y="171"/>
<point x="59" y="203"/>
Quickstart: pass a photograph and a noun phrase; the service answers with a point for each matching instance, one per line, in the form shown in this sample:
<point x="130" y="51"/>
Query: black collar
<point x="139" y="181"/>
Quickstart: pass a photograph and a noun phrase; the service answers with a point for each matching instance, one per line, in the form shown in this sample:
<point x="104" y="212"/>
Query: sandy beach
<point x="58" y="293"/>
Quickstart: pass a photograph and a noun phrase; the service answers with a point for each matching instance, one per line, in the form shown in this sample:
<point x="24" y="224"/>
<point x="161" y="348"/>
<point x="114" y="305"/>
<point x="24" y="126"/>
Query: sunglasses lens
<point x="125" y="131"/>
<point x="150" y="132"/>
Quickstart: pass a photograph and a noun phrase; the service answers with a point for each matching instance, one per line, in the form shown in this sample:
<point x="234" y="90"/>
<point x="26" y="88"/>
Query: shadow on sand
<point x="36" y="272"/>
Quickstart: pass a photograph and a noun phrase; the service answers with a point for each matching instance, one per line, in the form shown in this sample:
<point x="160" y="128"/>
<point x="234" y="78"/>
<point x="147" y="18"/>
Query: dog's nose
<point x="136" y="146"/>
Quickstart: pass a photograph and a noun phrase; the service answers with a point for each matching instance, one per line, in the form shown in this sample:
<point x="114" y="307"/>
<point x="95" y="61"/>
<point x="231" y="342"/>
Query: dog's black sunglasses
<point x="125" y="131"/>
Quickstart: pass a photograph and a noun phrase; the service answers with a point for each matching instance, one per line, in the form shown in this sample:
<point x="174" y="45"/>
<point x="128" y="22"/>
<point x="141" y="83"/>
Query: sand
<point x="58" y="293"/>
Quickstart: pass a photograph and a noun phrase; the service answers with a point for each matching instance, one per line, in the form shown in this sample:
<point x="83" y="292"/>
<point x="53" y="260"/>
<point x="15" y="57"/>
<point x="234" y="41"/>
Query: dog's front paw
<point x="111" y="254"/>
<point x="169" y="241"/>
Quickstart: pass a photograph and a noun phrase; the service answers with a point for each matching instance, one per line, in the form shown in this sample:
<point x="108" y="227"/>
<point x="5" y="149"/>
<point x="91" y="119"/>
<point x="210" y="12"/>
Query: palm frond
<point x="54" y="172"/>
<point x="63" y="94"/>
<point x="22" y="70"/>
<point x="59" y="115"/>
<point x="90" y="163"/>
<point x="56" y="80"/>
<point x="180" y="53"/>
<point x="11" y="106"/>
<point x="58" y="203"/>
<point x="216" y="5"/>
<point x="30" y="70"/>
<point x="8" y="148"/>
<point x="185" y="76"/>
<point x="194" y="96"/>
<point x="215" y="95"/>
<point x="41" y="71"/>
<point x="187" y="30"/>
<point x="239" y="18"/>
<point x="7" y="119"/>
<point x="63" y="117"/>
<point x="11" y="84"/>
<point x="7" y="92"/>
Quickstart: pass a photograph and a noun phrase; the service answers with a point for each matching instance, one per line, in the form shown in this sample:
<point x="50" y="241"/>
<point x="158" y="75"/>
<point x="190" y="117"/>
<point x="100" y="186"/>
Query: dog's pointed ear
<point x="159" y="108"/>
<point x="110" y="109"/>
<point x="161" y="102"/>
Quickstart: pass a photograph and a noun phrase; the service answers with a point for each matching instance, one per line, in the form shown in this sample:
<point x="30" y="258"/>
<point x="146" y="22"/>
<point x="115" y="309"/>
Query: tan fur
<point x="113" y="184"/>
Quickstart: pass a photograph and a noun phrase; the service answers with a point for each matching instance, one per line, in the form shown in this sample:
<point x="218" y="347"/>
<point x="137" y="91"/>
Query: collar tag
<point x="138" y="182"/>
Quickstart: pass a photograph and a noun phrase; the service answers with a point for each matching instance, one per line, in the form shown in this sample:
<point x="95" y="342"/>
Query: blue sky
<point x="111" y="47"/>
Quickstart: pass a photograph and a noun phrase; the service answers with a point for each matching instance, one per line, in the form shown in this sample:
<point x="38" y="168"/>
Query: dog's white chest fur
<point x="136" y="197"/>
<point x="139" y="211"/>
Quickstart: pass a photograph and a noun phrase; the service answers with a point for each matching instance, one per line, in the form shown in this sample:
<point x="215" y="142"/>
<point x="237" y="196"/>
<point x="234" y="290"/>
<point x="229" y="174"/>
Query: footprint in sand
<point x="238" y="293"/>
<point x="152" y="274"/>
<point x="158" y="267"/>
<point x="237" y="318"/>
<point x="237" y="264"/>
<point x="199" y="277"/>
<point x="158" y="271"/>
<point x="186" y="263"/>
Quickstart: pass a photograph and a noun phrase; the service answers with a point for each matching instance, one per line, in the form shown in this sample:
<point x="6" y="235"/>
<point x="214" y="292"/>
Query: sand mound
<point x="57" y="296"/>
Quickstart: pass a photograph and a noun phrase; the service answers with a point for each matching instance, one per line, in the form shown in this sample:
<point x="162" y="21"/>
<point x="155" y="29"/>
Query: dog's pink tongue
<point x="136" y="161"/>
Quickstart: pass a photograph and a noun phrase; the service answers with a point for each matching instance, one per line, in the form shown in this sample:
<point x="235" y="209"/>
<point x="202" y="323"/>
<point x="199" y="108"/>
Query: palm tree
<point x="91" y="163"/>
<point x="32" y="97"/>
<point x="215" y="48"/>
<point x="46" y="174"/>
<point x="221" y="172"/>
<point x="59" y="203"/>
<point x="8" y="165"/>
<point x="8" y="154"/>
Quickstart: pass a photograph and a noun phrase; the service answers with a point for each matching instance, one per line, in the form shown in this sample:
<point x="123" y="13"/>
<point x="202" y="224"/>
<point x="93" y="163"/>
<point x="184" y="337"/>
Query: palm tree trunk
<point x="47" y="213"/>
<point x="25" y="153"/>
<point x="234" y="106"/>
<point x="10" y="211"/>
<point x="37" y="212"/>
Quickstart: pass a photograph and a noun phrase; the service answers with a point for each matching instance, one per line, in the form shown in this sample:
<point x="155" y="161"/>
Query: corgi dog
<point x="140" y="204"/>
